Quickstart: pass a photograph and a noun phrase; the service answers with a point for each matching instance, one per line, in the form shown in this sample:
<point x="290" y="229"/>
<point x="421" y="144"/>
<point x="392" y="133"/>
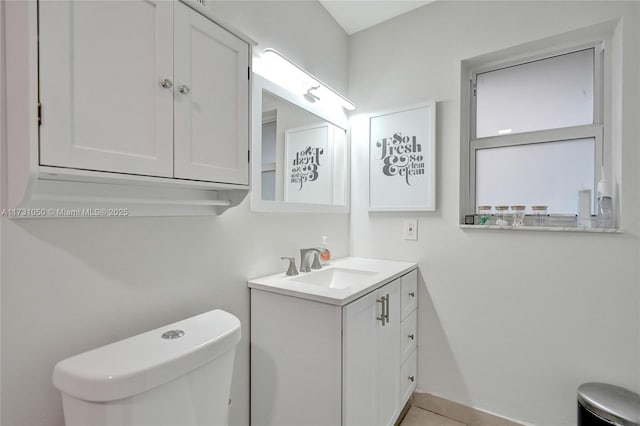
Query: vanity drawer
<point x="409" y="299"/>
<point x="408" y="378"/>
<point x="409" y="335"/>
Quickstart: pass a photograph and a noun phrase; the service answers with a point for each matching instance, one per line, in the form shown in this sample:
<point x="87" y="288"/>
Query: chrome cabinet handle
<point x="382" y="316"/>
<point x="166" y="83"/>
<point x="411" y="378"/>
<point x="184" y="89"/>
<point x="411" y="336"/>
<point x="386" y="315"/>
<point x="412" y="294"/>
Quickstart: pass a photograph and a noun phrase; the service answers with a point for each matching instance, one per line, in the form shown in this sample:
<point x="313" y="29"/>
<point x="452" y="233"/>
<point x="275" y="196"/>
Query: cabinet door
<point x="389" y="348"/>
<point x="212" y="101"/>
<point x="103" y="107"/>
<point x="360" y="361"/>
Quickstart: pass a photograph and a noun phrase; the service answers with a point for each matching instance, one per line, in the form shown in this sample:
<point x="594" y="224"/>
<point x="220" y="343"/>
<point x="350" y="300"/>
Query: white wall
<point x="510" y="322"/>
<point x="2" y="169"/>
<point x="69" y="285"/>
<point x="303" y="32"/>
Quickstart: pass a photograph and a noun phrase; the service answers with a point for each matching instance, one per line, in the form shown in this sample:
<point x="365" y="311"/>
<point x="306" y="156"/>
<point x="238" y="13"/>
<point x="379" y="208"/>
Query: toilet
<point x="179" y="374"/>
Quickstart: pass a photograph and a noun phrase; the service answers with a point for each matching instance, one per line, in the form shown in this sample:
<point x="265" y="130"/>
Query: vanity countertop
<point x="339" y="283"/>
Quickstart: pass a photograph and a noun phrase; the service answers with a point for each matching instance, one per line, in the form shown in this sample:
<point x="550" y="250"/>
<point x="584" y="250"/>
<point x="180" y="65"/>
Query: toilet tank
<point x="179" y="374"/>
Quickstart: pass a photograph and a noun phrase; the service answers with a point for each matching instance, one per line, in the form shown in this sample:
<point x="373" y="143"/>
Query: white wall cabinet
<point x="100" y="69"/>
<point x="142" y="93"/>
<point x="112" y="76"/>
<point x="320" y="364"/>
<point x="212" y="100"/>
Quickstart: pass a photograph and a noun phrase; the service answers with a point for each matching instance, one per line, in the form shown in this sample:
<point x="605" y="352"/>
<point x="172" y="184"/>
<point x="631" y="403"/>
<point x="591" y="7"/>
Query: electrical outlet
<point x="411" y="229"/>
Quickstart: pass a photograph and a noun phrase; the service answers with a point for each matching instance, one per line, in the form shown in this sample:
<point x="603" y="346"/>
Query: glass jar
<point x="518" y="215"/>
<point x="540" y="217"/>
<point x="484" y="215"/>
<point x="502" y="215"/>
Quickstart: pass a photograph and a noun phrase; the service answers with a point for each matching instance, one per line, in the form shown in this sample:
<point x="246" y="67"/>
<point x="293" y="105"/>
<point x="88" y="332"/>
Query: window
<point x="549" y="93"/>
<point x="532" y="174"/>
<point x="535" y="132"/>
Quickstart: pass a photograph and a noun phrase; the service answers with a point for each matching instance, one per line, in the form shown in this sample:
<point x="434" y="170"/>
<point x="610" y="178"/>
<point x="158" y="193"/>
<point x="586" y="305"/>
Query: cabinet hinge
<point x="248" y="156"/>
<point x="248" y="73"/>
<point x="473" y="87"/>
<point x="39" y="114"/>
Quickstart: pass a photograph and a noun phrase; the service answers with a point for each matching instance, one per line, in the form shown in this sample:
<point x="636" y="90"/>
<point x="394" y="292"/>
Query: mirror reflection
<point x="304" y="158"/>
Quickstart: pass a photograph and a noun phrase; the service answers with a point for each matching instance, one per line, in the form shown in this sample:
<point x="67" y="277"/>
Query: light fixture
<point x="310" y="96"/>
<point x="289" y="75"/>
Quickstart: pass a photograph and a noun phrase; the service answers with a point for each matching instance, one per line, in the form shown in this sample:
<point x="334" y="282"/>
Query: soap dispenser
<point x="325" y="253"/>
<point x="604" y="207"/>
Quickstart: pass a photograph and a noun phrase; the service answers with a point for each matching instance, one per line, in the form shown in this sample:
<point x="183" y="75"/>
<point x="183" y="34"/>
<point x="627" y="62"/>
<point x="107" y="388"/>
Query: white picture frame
<point x="308" y="170"/>
<point x="402" y="169"/>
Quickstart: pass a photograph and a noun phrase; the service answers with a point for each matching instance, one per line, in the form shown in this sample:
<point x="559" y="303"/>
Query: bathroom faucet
<point x="304" y="265"/>
<point x="291" y="271"/>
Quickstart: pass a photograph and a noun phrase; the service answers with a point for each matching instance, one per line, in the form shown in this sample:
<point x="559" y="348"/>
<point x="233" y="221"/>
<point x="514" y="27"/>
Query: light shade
<point x="284" y="72"/>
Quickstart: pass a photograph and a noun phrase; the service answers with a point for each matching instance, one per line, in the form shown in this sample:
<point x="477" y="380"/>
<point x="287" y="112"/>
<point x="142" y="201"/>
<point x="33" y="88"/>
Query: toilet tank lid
<point x="139" y="363"/>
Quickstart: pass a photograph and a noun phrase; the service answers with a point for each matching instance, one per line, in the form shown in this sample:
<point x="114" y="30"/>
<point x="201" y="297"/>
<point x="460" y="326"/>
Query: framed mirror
<point x="300" y="152"/>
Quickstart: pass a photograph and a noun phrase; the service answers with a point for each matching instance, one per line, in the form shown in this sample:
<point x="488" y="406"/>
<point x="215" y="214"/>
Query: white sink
<point x="340" y="283"/>
<point x="334" y="277"/>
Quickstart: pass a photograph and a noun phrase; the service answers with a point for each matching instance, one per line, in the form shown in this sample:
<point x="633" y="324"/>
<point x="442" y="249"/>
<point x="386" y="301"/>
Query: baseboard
<point x="458" y="412"/>
<point x="404" y="411"/>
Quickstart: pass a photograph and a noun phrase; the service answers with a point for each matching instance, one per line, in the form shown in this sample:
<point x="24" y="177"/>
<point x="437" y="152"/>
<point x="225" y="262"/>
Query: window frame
<point x="596" y="130"/>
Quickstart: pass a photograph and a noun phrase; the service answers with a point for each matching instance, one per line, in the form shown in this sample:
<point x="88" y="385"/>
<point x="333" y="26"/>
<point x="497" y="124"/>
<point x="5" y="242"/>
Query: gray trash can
<point x="600" y="404"/>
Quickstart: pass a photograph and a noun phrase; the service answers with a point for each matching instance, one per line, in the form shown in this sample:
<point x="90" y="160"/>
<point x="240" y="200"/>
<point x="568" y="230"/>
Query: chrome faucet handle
<point x="316" y="260"/>
<point x="304" y="265"/>
<point x="292" y="266"/>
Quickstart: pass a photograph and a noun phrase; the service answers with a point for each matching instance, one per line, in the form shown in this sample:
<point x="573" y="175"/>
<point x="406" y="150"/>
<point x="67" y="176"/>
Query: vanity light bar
<point x="289" y="72"/>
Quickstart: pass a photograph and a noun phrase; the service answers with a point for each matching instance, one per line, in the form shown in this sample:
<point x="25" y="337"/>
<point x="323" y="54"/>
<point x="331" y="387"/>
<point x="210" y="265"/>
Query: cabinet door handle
<point x="411" y="378"/>
<point x="166" y="83"/>
<point x="411" y="336"/>
<point x="382" y="316"/>
<point x="184" y="89"/>
<point x="412" y="294"/>
<point x="386" y="315"/>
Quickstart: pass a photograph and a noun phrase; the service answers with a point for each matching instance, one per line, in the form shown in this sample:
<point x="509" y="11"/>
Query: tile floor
<point x="419" y="417"/>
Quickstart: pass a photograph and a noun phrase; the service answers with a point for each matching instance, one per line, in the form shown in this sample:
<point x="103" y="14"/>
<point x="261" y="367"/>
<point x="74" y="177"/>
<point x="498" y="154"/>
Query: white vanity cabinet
<point x="371" y="357"/>
<point x="143" y="88"/>
<point x="324" y="362"/>
<point x="408" y="336"/>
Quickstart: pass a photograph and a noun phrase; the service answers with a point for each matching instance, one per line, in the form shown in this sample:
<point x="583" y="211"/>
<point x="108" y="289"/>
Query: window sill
<point x="544" y="228"/>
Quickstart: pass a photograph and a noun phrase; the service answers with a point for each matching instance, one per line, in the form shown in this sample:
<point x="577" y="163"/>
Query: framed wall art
<point x="402" y="159"/>
<point x="308" y="169"/>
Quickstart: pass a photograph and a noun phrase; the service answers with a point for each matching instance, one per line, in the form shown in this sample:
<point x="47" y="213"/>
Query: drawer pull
<point x="412" y="294"/>
<point x="411" y="336"/>
<point x="411" y="378"/>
